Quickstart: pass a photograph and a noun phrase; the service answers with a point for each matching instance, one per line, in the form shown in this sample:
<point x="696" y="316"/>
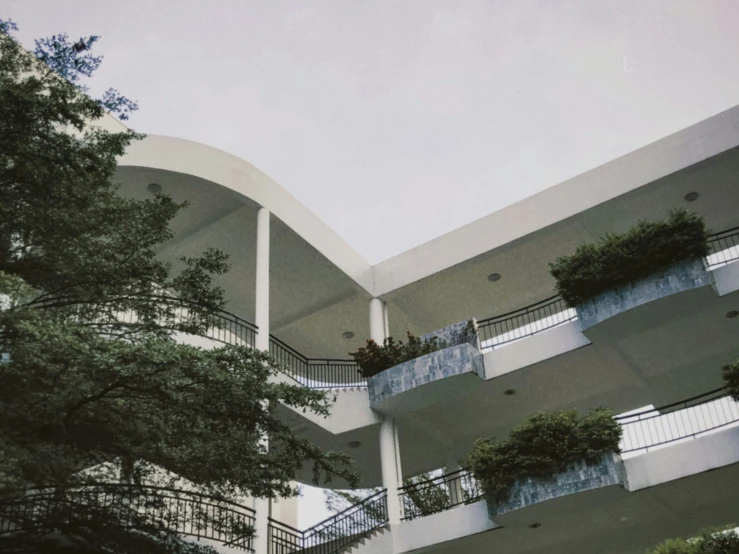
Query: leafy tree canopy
<point x="78" y="407"/>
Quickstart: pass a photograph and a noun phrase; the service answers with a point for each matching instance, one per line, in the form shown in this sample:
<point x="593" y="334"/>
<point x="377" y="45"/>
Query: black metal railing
<point x="316" y="373"/>
<point x="504" y="329"/>
<point x="723" y="248"/>
<point x="183" y="512"/>
<point x="674" y="422"/>
<point x="333" y="534"/>
<point x="439" y="494"/>
<point x="218" y="325"/>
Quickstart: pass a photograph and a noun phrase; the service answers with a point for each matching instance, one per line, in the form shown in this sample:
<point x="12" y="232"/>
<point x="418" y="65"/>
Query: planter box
<point x="462" y="362"/>
<point x="686" y="275"/>
<point x="606" y="471"/>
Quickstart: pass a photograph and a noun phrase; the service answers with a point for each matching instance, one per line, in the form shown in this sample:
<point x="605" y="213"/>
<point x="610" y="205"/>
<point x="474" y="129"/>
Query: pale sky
<point x="396" y="121"/>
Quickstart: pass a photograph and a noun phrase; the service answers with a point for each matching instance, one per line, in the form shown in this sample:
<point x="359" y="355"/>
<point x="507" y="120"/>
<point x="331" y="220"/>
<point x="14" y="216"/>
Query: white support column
<point x="261" y="320"/>
<point x="389" y="466"/>
<point x="377" y="320"/>
<point x="261" y="310"/>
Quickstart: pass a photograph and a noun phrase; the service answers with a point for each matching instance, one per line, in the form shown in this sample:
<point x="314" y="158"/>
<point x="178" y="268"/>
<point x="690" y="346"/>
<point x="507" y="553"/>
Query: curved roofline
<point x="193" y="158"/>
<point x="556" y="203"/>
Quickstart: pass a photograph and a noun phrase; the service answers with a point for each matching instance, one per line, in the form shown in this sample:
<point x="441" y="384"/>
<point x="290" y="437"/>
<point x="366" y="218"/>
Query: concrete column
<point x="386" y="318"/>
<point x="377" y="320"/>
<point x="261" y="311"/>
<point x="389" y="466"/>
<point x="261" y="320"/>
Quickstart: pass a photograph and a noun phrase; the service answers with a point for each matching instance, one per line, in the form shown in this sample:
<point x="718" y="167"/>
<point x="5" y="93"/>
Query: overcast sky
<point x="397" y="121"/>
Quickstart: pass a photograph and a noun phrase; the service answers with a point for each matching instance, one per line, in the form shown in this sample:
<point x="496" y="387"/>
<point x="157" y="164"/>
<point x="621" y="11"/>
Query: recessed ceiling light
<point x="154" y="188"/>
<point x="691" y="197"/>
<point x="509" y="392"/>
<point x="534" y="525"/>
<point x="347" y="335"/>
<point x="732" y="314"/>
<point x="354" y="444"/>
<point x="494" y="277"/>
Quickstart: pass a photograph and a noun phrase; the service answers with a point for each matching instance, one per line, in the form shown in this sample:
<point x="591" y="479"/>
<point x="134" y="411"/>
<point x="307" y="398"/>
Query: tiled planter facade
<point x="452" y="361"/>
<point x="684" y="276"/>
<point x="608" y="470"/>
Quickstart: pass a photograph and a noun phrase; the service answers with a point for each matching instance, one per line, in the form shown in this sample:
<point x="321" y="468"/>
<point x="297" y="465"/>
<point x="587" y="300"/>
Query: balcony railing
<point x="439" y="494"/>
<point x="333" y="534"/>
<point x="221" y="326"/>
<point x="182" y="512"/>
<point x="683" y="420"/>
<point x="526" y="322"/>
<point x="316" y="373"/>
<point x="723" y="248"/>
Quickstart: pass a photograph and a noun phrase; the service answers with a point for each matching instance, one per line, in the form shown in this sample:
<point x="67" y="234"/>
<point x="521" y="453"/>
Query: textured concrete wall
<point x="608" y="470"/>
<point x="455" y="334"/>
<point x="421" y="371"/>
<point x="684" y="276"/>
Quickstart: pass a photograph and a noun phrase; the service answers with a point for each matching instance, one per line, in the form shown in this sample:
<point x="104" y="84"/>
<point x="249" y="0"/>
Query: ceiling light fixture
<point x="154" y="188"/>
<point x="732" y="314"/>
<point x="347" y="335"/>
<point x="509" y="392"/>
<point x="354" y="444"/>
<point x="494" y="277"/>
<point x="691" y="197"/>
<point x="534" y="525"/>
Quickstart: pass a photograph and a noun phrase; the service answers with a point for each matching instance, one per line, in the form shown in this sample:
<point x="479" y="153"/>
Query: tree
<point x="80" y="409"/>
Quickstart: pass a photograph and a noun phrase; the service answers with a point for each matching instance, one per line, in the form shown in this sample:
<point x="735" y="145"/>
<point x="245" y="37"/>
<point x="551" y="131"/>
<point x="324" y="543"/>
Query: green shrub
<point x="542" y="447"/>
<point x="374" y="358"/>
<point x="711" y="541"/>
<point x="731" y="378"/>
<point x="617" y="260"/>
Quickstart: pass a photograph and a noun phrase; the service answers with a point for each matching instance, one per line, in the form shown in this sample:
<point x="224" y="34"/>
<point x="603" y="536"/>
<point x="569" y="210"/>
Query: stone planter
<point x="455" y="361"/>
<point x="606" y="471"/>
<point x="687" y="275"/>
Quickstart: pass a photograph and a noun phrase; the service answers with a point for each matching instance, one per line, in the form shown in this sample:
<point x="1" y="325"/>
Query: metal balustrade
<point x="186" y="513"/>
<point x="333" y="534"/>
<point x="218" y="325"/>
<point x="316" y="373"/>
<point x="507" y="328"/>
<point x="723" y="248"/>
<point x="683" y="420"/>
<point x="439" y="494"/>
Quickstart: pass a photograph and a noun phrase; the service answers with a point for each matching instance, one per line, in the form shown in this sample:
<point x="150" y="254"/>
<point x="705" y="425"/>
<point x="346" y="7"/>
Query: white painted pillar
<point x="377" y="320"/>
<point x="261" y="310"/>
<point x="261" y="320"/>
<point x="389" y="451"/>
<point x="389" y="466"/>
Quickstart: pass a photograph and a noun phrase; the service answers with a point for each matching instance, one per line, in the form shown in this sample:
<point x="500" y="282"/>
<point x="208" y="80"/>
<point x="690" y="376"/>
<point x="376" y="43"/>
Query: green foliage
<point x="731" y="378"/>
<point x="541" y="447"/>
<point x="711" y="541"/>
<point x="374" y="358"/>
<point x="79" y="407"/>
<point x="617" y="260"/>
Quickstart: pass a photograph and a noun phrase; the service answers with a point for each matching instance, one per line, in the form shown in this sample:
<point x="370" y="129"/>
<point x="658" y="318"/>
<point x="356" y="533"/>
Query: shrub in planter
<point x="546" y="444"/>
<point x="711" y="541"/>
<point x="617" y="260"/>
<point x="374" y="358"/>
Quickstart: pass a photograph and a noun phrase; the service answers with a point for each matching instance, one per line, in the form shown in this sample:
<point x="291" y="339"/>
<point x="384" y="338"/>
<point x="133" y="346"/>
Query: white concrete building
<point x="297" y="289"/>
